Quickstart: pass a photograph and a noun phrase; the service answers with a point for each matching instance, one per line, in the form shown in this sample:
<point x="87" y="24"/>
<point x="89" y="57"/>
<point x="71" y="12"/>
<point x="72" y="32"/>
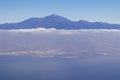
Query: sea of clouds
<point x="66" y="43"/>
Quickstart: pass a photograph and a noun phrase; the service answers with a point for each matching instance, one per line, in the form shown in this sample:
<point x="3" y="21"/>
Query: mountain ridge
<point x="58" y="22"/>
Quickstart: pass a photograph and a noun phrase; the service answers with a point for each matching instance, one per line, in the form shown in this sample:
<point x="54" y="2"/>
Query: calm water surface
<point x="35" y="68"/>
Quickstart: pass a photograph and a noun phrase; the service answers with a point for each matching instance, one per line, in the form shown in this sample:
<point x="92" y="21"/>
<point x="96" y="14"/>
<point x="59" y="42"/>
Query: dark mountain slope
<point x="58" y="22"/>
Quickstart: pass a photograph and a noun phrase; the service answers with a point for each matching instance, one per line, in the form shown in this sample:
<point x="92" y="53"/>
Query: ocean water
<point x="34" y="68"/>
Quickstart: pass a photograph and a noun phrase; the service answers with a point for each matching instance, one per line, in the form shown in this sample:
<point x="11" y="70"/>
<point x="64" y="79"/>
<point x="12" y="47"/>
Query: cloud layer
<point x="66" y="43"/>
<point x="61" y="31"/>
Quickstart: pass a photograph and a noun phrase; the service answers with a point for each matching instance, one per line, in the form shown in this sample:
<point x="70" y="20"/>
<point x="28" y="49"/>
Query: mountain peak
<point x="56" y="18"/>
<point x="54" y="15"/>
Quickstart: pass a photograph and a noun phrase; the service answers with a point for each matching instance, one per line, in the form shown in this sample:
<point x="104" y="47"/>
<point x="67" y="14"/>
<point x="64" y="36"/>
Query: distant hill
<point x="58" y="22"/>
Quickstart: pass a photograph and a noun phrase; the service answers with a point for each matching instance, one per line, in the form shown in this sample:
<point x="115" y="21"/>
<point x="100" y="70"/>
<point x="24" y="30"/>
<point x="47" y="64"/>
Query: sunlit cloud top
<point x="60" y="31"/>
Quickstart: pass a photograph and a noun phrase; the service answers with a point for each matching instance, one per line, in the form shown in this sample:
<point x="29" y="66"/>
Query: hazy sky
<point x="91" y="10"/>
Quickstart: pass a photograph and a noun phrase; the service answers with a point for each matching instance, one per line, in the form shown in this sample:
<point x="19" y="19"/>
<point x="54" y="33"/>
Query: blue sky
<point x="91" y="10"/>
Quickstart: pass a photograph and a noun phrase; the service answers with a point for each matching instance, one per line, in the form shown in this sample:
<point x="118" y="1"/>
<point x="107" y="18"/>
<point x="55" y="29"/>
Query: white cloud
<point x="60" y="31"/>
<point x="54" y="42"/>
